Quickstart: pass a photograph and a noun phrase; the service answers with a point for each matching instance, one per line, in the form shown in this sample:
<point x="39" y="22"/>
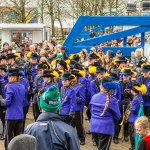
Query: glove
<point x="2" y="101"/>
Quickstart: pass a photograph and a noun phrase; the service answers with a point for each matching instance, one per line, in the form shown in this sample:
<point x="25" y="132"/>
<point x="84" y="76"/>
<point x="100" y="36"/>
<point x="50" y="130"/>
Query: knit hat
<point x="50" y="100"/>
<point x="59" y="56"/>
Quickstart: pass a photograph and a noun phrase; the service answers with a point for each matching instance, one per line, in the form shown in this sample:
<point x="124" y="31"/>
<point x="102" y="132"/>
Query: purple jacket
<point x="80" y="95"/>
<point x="15" y="97"/>
<point x="135" y="108"/>
<point x="68" y="101"/>
<point x="25" y="82"/>
<point x="103" y="124"/>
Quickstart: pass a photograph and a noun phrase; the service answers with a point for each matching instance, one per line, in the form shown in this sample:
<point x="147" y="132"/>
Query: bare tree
<point x="19" y="7"/>
<point x="50" y="11"/>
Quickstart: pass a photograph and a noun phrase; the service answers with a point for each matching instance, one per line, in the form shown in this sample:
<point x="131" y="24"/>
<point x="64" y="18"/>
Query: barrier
<point x="140" y="24"/>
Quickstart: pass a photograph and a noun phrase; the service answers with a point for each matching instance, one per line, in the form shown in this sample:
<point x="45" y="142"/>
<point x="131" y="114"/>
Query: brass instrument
<point x="126" y="114"/>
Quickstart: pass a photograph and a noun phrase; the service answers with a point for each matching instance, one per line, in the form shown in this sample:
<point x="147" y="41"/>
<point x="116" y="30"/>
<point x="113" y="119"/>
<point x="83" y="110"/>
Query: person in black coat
<point x="54" y="128"/>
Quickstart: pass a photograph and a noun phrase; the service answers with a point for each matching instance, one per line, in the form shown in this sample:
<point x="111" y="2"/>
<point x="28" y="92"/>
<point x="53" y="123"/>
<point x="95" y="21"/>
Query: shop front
<point x="21" y="33"/>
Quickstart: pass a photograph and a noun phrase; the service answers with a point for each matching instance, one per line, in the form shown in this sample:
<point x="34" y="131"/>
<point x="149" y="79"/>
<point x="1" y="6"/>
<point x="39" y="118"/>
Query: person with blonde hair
<point x="139" y="55"/>
<point x="142" y="126"/>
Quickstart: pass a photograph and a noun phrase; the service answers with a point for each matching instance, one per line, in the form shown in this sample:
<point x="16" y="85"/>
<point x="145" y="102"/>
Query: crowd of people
<point x="114" y="89"/>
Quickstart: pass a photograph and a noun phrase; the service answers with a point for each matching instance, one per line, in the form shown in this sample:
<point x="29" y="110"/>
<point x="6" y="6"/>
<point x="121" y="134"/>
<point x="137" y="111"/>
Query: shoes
<point x="82" y="142"/>
<point x="116" y="140"/>
<point x="126" y="139"/>
<point x="2" y="137"/>
<point x="88" y="132"/>
<point x="94" y="143"/>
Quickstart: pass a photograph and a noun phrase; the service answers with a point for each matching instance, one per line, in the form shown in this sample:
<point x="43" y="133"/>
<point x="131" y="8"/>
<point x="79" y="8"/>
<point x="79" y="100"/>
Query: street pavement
<point x="88" y="145"/>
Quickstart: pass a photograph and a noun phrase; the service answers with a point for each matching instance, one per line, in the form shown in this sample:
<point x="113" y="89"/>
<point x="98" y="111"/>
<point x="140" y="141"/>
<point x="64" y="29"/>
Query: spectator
<point x="92" y="34"/>
<point x="5" y="48"/>
<point x="139" y="56"/>
<point x="132" y="58"/>
<point x="92" y="50"/>
<point x="42" y="53"/>
<point x="32" y="49"/>
<point x="53" y="41"/>
<point x="142" y="126"/>
<point x="54" y="128"/>
<point x="82" y="60"/>
<point x="119" y="53"/>
<point x="22" y="142"/>
<point x="83" y="53"/>
<point x="22" y="48"/>
<point x="63" y="51"/>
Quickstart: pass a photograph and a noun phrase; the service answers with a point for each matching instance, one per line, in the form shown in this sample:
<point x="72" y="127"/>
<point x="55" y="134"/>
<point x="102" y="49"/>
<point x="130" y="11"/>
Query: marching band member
<point x="80" y="99"/>
<point x="48" y="77"/>
<point x="134" y="106"/>
<point x="24" y="82"/>
<point x="15" y="97"/>
<point x="105" y="110"/>
<point x="125" y="98"/>
<point x="95" y="84"/>
<point x="68" y="96"/>
<point x="95" y="87"/>
<point x="146" y="97"/>
<point x="121" y="63"/>
<point x="3" y="83"/>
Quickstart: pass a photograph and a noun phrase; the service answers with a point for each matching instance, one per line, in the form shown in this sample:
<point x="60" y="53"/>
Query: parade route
<point x="87" y="146"/>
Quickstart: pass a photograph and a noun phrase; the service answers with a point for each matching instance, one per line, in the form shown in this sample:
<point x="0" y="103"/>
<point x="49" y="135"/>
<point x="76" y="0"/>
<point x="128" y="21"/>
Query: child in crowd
<point x="142" y="126"/>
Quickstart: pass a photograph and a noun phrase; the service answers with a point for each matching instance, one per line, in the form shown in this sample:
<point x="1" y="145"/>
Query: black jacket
<point x="53" y="132"/>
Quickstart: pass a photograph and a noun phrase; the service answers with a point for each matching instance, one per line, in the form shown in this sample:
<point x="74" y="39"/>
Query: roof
<point x="34" y="26"/>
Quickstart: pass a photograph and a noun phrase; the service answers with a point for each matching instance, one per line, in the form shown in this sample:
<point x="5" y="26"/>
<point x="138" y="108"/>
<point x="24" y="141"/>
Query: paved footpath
<point x="87" y="146"/>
